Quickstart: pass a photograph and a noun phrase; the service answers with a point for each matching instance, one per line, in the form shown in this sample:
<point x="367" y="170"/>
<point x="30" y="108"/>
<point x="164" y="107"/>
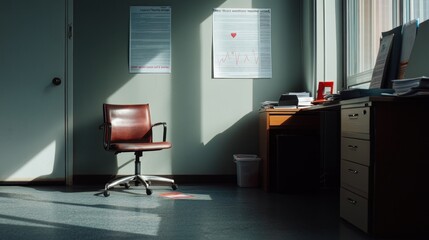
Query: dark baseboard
<point x="179" y="179"/>
<point x="34" y="183"/>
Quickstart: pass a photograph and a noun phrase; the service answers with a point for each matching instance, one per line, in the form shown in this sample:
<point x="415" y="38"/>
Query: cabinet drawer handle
<point x="353" y="171"/>
<point x="352" y="201"/>
<point x="351" y="147"/>
<point x="353" y="116"/>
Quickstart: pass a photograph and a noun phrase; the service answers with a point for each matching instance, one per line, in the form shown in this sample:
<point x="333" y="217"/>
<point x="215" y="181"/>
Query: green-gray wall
<point x="308" y="42"/>
<point x="208" y="119"/>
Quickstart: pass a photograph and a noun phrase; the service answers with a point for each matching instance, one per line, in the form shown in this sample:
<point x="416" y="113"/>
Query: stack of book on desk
<point x="290" y="100"/>
<point x="411" y="86"/>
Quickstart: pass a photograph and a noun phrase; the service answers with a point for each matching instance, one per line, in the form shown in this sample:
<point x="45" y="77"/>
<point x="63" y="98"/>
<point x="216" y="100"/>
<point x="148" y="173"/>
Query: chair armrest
<point x="107" y="127"/>
<point x="164" y="124"/>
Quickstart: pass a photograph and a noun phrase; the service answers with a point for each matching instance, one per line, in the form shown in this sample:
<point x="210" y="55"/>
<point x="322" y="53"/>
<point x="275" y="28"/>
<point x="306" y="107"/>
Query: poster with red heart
<point x="242" y="43"/>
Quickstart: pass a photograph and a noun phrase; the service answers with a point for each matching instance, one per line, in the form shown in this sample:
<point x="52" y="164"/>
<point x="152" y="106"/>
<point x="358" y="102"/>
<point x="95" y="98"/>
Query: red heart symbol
<point x="233" y="34"/>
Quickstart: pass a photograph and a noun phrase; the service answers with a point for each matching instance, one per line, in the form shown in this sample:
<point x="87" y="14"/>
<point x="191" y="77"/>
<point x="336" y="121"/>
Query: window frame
<point x="358" y="75"/>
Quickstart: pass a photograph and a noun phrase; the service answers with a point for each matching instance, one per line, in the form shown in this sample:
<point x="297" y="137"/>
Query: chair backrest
<point x="129" y="123"/>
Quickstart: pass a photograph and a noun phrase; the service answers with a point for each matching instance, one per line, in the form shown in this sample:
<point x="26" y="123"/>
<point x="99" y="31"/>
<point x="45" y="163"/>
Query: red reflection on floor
<point x="176" y="195"/>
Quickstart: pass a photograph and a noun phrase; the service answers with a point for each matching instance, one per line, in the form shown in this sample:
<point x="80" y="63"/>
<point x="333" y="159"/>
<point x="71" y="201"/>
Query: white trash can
<point x="247" y="170"/>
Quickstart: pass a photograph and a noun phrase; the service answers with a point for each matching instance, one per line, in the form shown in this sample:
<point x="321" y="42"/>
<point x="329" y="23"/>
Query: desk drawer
<point x="355" y="120"/>
<point x="294" y="121"/>
<point x="354" y="209"/>
<point x="355" y="150"/>
<point x="355" y="177"/>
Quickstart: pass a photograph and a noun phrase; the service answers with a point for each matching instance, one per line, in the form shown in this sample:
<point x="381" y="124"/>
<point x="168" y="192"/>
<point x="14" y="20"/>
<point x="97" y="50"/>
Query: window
<point x="366" y="20"/>
<point x="416" y="9"/>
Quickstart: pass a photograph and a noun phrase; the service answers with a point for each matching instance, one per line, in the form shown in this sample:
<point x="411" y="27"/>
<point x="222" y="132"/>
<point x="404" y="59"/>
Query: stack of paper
<point x="304" y="99"/>
<point x="269" y="104"/>
<point x="411" y="85"/>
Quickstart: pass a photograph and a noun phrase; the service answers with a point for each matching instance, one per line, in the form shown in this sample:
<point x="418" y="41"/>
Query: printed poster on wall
<point x="242" y="43"/>
<point x="150" y="39"/>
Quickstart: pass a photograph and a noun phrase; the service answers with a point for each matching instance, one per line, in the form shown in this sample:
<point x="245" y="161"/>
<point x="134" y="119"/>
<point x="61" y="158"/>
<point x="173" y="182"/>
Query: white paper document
<point x="150" y="39"/>
<point x="242" y="43"/>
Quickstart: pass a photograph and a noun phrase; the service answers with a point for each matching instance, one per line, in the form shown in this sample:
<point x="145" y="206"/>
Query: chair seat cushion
<point x="136" y="146"/>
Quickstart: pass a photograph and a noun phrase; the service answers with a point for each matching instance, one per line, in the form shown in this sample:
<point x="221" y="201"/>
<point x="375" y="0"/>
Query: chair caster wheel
<point x="106" y="193"/>
<point x="148" y="191"/>
<point x="174" y="186"/>
<point x="127" y="185"/>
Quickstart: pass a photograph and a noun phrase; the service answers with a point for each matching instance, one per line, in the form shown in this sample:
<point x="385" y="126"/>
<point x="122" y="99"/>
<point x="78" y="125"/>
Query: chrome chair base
<point x="145" y="180"/>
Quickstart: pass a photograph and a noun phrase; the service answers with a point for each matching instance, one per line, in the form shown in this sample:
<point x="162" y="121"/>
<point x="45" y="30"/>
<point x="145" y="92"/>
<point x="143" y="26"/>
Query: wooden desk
<point x="292" y="124"/>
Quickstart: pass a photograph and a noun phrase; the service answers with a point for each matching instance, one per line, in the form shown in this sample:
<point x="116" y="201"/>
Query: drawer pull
<point x="351" y="147"/>
<point x="352" y="201"/>
<point x="353" y="171"/>
<point x="353" y="116"/>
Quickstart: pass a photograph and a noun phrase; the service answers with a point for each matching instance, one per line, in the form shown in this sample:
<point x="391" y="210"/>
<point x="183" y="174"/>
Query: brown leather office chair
<point x="128" y="128"/>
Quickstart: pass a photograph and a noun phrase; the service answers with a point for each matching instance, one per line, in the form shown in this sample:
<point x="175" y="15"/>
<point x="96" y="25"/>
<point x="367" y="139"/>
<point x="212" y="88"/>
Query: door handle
<point x="56" y="81"/>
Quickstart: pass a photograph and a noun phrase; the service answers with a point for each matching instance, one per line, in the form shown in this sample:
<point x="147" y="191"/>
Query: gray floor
<point x="210" y="212"/>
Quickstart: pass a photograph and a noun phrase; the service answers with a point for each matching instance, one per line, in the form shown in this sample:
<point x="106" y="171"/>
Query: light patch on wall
<point x="237" y="4"/>
<point x="223" y="101"/>
<point x="143" y="88"/>
<point x="41" y="164"/>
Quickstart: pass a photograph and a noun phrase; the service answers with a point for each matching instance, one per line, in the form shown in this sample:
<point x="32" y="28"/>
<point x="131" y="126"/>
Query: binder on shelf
<point x="417" y="65"/>
<point x="409" y="31"/>
<point x="393" y="61"/>
<point x="383" y="59"/>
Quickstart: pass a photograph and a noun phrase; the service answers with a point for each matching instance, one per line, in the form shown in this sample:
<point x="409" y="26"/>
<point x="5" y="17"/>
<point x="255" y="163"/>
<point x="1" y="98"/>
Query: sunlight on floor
<point x="54" y="210"/>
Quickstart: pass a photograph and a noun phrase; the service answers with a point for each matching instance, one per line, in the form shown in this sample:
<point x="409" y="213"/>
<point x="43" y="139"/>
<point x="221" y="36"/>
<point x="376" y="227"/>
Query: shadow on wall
<point x="101" y="68"/>
<point x="240" y="138"/>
